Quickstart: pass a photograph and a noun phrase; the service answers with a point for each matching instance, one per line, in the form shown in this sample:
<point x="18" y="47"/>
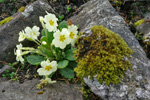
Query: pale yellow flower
<point x="19" y="47"/>
<point x="47" y="80"/>
<point x="18" y="53"/>
<point x="73" y="34"/>
<point x="61" y="39"/>
<point x="47" y="67"/>
<point x="21" y="36"/>
<point x="41" y="19"/>
<point x="51" y="22"/>
<point x="32" y="33"/>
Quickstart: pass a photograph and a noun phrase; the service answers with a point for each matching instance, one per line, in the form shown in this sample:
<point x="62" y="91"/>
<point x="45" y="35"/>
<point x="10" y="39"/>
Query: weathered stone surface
<point x="144" y="28"/>
<point x="9" y="31"/>
<point x="27" y="91"/>
<point x="136" y="85"/>
<point x="4" y="68"/>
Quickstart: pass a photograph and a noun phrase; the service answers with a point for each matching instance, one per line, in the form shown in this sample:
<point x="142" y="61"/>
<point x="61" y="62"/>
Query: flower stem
<point x="36" y="42"/>
<point x="27" y="48"/>
<point x="46" y="76"/>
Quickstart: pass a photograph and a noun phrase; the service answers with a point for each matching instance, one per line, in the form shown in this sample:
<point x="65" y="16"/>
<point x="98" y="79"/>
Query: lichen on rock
<point x="6" y="20"/>
<point x="21" y="9"/>
<point x="139" y="22"/>
<point x="103" y="55"/>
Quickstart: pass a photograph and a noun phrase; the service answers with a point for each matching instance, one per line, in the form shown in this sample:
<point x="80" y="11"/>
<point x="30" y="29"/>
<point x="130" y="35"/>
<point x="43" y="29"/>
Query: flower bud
<point x="41" y="19"/>
<point x="44" y="43"/>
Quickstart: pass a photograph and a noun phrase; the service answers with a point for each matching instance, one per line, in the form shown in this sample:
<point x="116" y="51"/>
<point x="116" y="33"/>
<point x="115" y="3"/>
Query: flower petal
<point x="41" y="71"/>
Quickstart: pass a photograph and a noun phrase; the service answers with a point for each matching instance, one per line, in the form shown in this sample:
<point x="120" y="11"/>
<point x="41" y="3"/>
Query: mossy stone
<point x="102" y="55"/>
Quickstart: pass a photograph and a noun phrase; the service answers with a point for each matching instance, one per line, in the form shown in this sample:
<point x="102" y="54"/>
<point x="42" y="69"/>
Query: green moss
<point x="21" y="9"/>
<point x="103" y="55"/>
<point x="6" y="20"/>
<point x="139" y="22"/>
<point x="87" y="93"/>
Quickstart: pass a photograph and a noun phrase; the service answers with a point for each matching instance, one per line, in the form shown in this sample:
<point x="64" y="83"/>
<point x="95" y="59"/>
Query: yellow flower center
<point x="51" y="23"/>
<point x="62" y="38"/>
<point x="49" y="67"/>
<point x="71" y="35"/>
<point x="23" y="36"/>
<point x="33" y="33"/>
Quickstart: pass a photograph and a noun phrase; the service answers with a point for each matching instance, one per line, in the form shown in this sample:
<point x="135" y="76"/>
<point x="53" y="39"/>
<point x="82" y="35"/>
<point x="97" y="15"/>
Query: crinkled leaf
<point x="62" y="64"/>
<point x="62" y="25"/>
<point x="35" y="59"/>
<point x="67" y="72"/>
<point x="70" y="55"/>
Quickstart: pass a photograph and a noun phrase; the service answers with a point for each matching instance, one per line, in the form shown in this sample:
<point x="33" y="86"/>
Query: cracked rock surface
<point x="136" y="85"/>
<point x="27" y="91"/>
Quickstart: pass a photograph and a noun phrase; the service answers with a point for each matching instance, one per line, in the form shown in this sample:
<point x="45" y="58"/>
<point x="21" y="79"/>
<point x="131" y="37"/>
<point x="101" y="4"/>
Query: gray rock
<point x="135" y="86"/>
<point x="4" y="68"/>
<point x="27" y="91"/>
<point x="144" y="28"/>
<point x="9" y="31"/>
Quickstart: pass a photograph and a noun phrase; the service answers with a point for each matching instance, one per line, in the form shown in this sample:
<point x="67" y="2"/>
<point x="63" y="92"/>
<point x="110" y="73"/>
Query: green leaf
<point x="47" y="37"/>
<point x="68" y="9"/>
<point x="4" y="75"/>
<point x="67" y="47"/>
<point x="43" y="32"/>
<point x="49" y="53"/>
<point x="61" y="17"/>
<point x="67" y="72"/>
<point x="59" y="56"/>
<point x="50" y="76"/>
<point x="72" y="64"/>
<point x="12" y="74"/>
<point x="43" y="38"/>
<point x="70" y="55"/>
<point x="50" y="37"/>
<point x="62" y="25"/>
<point x="44" y="46"/>
<point x="2" y="1"/>
<point x="35" y="59"/>
<point x="62" y="64"/>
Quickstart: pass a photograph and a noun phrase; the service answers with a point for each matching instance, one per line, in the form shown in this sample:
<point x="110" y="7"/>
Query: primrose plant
<point x="54" y="51"/>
